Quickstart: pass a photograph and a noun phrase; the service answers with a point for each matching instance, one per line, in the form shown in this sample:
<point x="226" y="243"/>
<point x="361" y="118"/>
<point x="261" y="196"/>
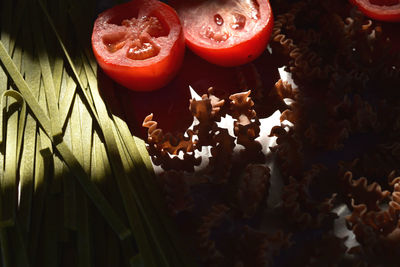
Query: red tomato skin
<point x="377" y="12"/>
<point x="244" y="51"/>
<point x="149" y="74"/>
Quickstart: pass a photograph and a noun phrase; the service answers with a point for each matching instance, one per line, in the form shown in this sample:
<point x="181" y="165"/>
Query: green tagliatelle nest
<point x="76" y="188"/>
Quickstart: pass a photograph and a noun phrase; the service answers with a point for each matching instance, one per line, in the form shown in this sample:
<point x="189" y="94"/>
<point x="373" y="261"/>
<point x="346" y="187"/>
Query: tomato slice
<point x="226" y="32"/>
<point x="384" y="10"/>
<point x="139" y="44"/>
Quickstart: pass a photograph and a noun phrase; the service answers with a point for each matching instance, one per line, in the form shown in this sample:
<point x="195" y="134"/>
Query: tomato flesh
<point x="139" y="44"/>
<point x="384" y="10"/>
<point x="226" y="33"/>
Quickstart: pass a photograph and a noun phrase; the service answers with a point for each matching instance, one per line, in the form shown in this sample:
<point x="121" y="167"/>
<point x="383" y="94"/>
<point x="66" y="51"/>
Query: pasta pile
<point x="337" y="145"/>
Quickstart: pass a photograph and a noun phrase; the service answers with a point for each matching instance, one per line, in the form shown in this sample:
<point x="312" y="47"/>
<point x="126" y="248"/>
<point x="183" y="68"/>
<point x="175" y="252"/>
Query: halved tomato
<point x="226" y="32"/>
<point x="139" y="44"/>
<point x="385" y="10"/>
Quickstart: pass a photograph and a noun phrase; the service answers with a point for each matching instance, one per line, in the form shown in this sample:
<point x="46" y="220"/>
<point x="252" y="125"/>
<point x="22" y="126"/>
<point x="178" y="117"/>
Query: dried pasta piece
<point x="324" y="250"/>
<point x="377" y="164"/>
<point x="325" y="129"/>
<point x="253" y="82"/>
<point x="258" y="248"/>
<point x="253" y="189"/>
<point x="176" y="191"/>
<point x="289" y="151"/>
<point x="378" y="231"/>
<point x="286" y="90"/>
<point x="207" y="112"/>
<point x="163" y="148"/>
<point x="391" y="73"/>
<point x="207" y="246"/>
<point x="246" y="126"/>
<point x="242" y="107"/>
<point x="220" y="162"/>
<point x="172" y="144"/>
<point x="303" y="211"/>
<point x="369" y="194"/>
<point x="284" y="25"/>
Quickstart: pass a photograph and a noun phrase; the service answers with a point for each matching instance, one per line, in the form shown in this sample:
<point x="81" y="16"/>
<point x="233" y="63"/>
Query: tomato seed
<point x="114" y="41"/>
<point x="115" y="47"/>
<point x="218" y="19"/>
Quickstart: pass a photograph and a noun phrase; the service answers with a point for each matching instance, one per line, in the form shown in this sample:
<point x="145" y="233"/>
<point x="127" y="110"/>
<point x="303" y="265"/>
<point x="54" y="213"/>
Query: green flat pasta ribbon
<point x="4" y="248"/>
<point x="48" y="81"/>
<point x="24" y="89"/>
<point x="42" y="157"/>
<point x="18" y="97"/>
<point x="32" y="74"/>
<point x="19" y="246"/>
<point x="13" y="150"/>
